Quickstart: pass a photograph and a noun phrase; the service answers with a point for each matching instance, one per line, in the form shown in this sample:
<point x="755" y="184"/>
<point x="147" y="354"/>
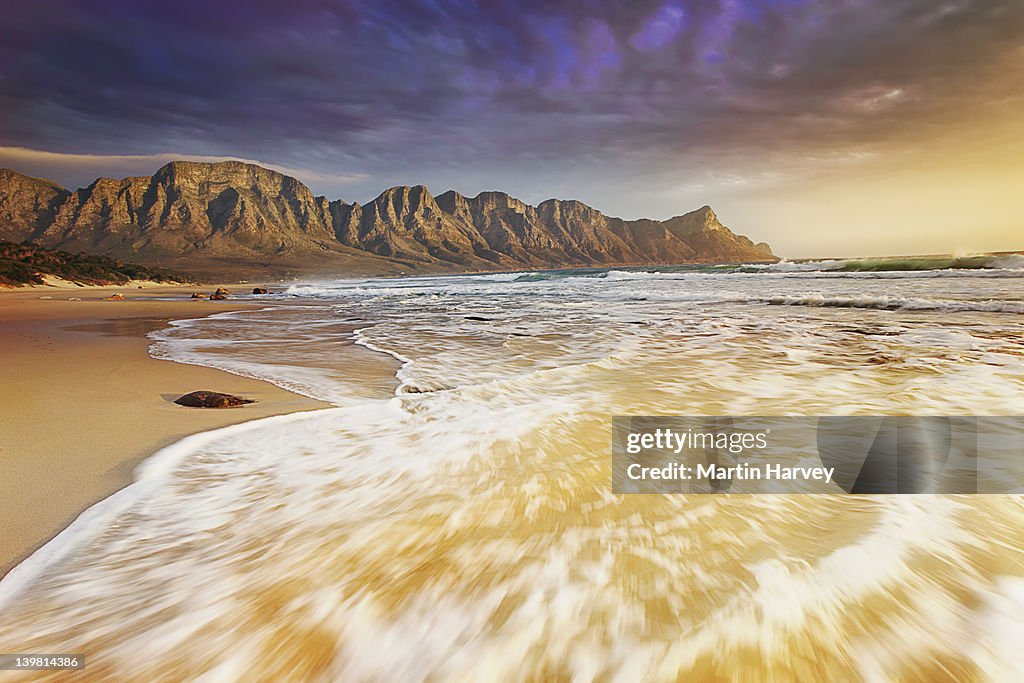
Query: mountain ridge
<point x="232" y="214"/>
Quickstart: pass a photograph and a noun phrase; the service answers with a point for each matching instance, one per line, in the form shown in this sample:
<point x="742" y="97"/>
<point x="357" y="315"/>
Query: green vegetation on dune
<point x="26" y="264"/>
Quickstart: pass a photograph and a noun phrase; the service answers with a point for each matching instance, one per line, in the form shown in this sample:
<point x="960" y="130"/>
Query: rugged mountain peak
<point x="710" y="218"/>
<point x="568" y="207"/>
<point x="492" y="199"/>
<point x="452" y="202"/>
<point x="712" y="241"/>
<point x="404" y="195"/>
<point x="202" y="177"/>
<point x="11" y="179"/>
<point x="201" y="182"/>
<point x="567" y="203"/>
<point x="398" y="203"/>
<point x="192" y="212"/>
<point x="702" y="219"/>
<point x="405" y="191"/>
<point x="193" y="209"/>
<point x="27" y="204"/>
<point x="221" y="169"/>
<point x="103" y="184"/>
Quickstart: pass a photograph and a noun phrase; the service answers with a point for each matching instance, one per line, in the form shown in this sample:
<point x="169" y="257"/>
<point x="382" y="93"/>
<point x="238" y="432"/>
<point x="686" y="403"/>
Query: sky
<point x="842" y="128"/>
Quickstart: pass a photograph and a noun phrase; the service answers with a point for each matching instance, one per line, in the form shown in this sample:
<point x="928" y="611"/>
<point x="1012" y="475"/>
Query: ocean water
<point x="451" y="518"/>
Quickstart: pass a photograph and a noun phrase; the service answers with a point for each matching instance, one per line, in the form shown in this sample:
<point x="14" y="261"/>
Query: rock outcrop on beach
<point x="211" y="399"/>
<point x="242" y="216"/>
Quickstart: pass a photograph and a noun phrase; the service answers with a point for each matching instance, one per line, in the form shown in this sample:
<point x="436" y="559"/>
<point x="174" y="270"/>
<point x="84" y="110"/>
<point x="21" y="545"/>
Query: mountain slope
<point x="202" y="216"/>
<point x="30" y="264"/>
<point x="406" y="222"/>
<point x="27" y="204"/>
<point x="225" y="209"/>
<point x="710" y="240"/>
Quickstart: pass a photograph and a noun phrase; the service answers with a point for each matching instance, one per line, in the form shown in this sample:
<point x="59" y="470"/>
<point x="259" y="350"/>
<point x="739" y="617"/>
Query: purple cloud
<point x="431" y="91"/>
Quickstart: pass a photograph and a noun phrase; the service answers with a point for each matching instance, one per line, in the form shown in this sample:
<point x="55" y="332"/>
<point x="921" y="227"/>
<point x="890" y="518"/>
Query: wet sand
<point x="82" y="402"/>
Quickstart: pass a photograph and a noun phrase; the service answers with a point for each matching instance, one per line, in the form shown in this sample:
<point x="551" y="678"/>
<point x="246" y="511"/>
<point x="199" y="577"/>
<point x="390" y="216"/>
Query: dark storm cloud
<point x="391" y="88"/>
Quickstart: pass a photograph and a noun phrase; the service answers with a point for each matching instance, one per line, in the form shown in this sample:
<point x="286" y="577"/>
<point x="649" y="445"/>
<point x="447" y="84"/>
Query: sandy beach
<point x="83" y="403"/>
<point x="453" y="515"/>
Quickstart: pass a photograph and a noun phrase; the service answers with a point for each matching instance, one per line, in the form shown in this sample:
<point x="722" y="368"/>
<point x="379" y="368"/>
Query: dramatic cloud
<point x="541" y="98"/>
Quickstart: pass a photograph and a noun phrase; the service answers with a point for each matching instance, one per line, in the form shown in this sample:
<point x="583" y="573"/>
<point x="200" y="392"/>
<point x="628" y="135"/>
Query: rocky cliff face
<point x="231" y="212"/>
<point x="407" y="223"/>
<point x="27" y="205"/>
<point x="712" y="241"/>
<point x="228" y="209"/>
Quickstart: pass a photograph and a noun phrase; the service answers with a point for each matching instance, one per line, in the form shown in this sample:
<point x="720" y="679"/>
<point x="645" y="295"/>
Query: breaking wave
<point x="896" y="303"/>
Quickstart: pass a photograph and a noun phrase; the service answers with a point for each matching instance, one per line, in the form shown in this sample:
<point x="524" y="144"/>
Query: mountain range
<point x="213" y="218"/>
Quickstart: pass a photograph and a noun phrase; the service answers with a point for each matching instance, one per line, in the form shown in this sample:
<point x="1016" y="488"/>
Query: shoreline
<point x="148" y="472"/>
<point x="83" y="402"/>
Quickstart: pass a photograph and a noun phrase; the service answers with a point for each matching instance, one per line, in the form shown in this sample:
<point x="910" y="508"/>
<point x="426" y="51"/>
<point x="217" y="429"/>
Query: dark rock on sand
<point x="211" y="399"/>
<point x="260" y="290"/>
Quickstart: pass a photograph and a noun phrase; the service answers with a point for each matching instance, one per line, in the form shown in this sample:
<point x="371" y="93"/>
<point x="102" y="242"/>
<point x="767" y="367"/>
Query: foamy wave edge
<point x="147" y="476"/>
